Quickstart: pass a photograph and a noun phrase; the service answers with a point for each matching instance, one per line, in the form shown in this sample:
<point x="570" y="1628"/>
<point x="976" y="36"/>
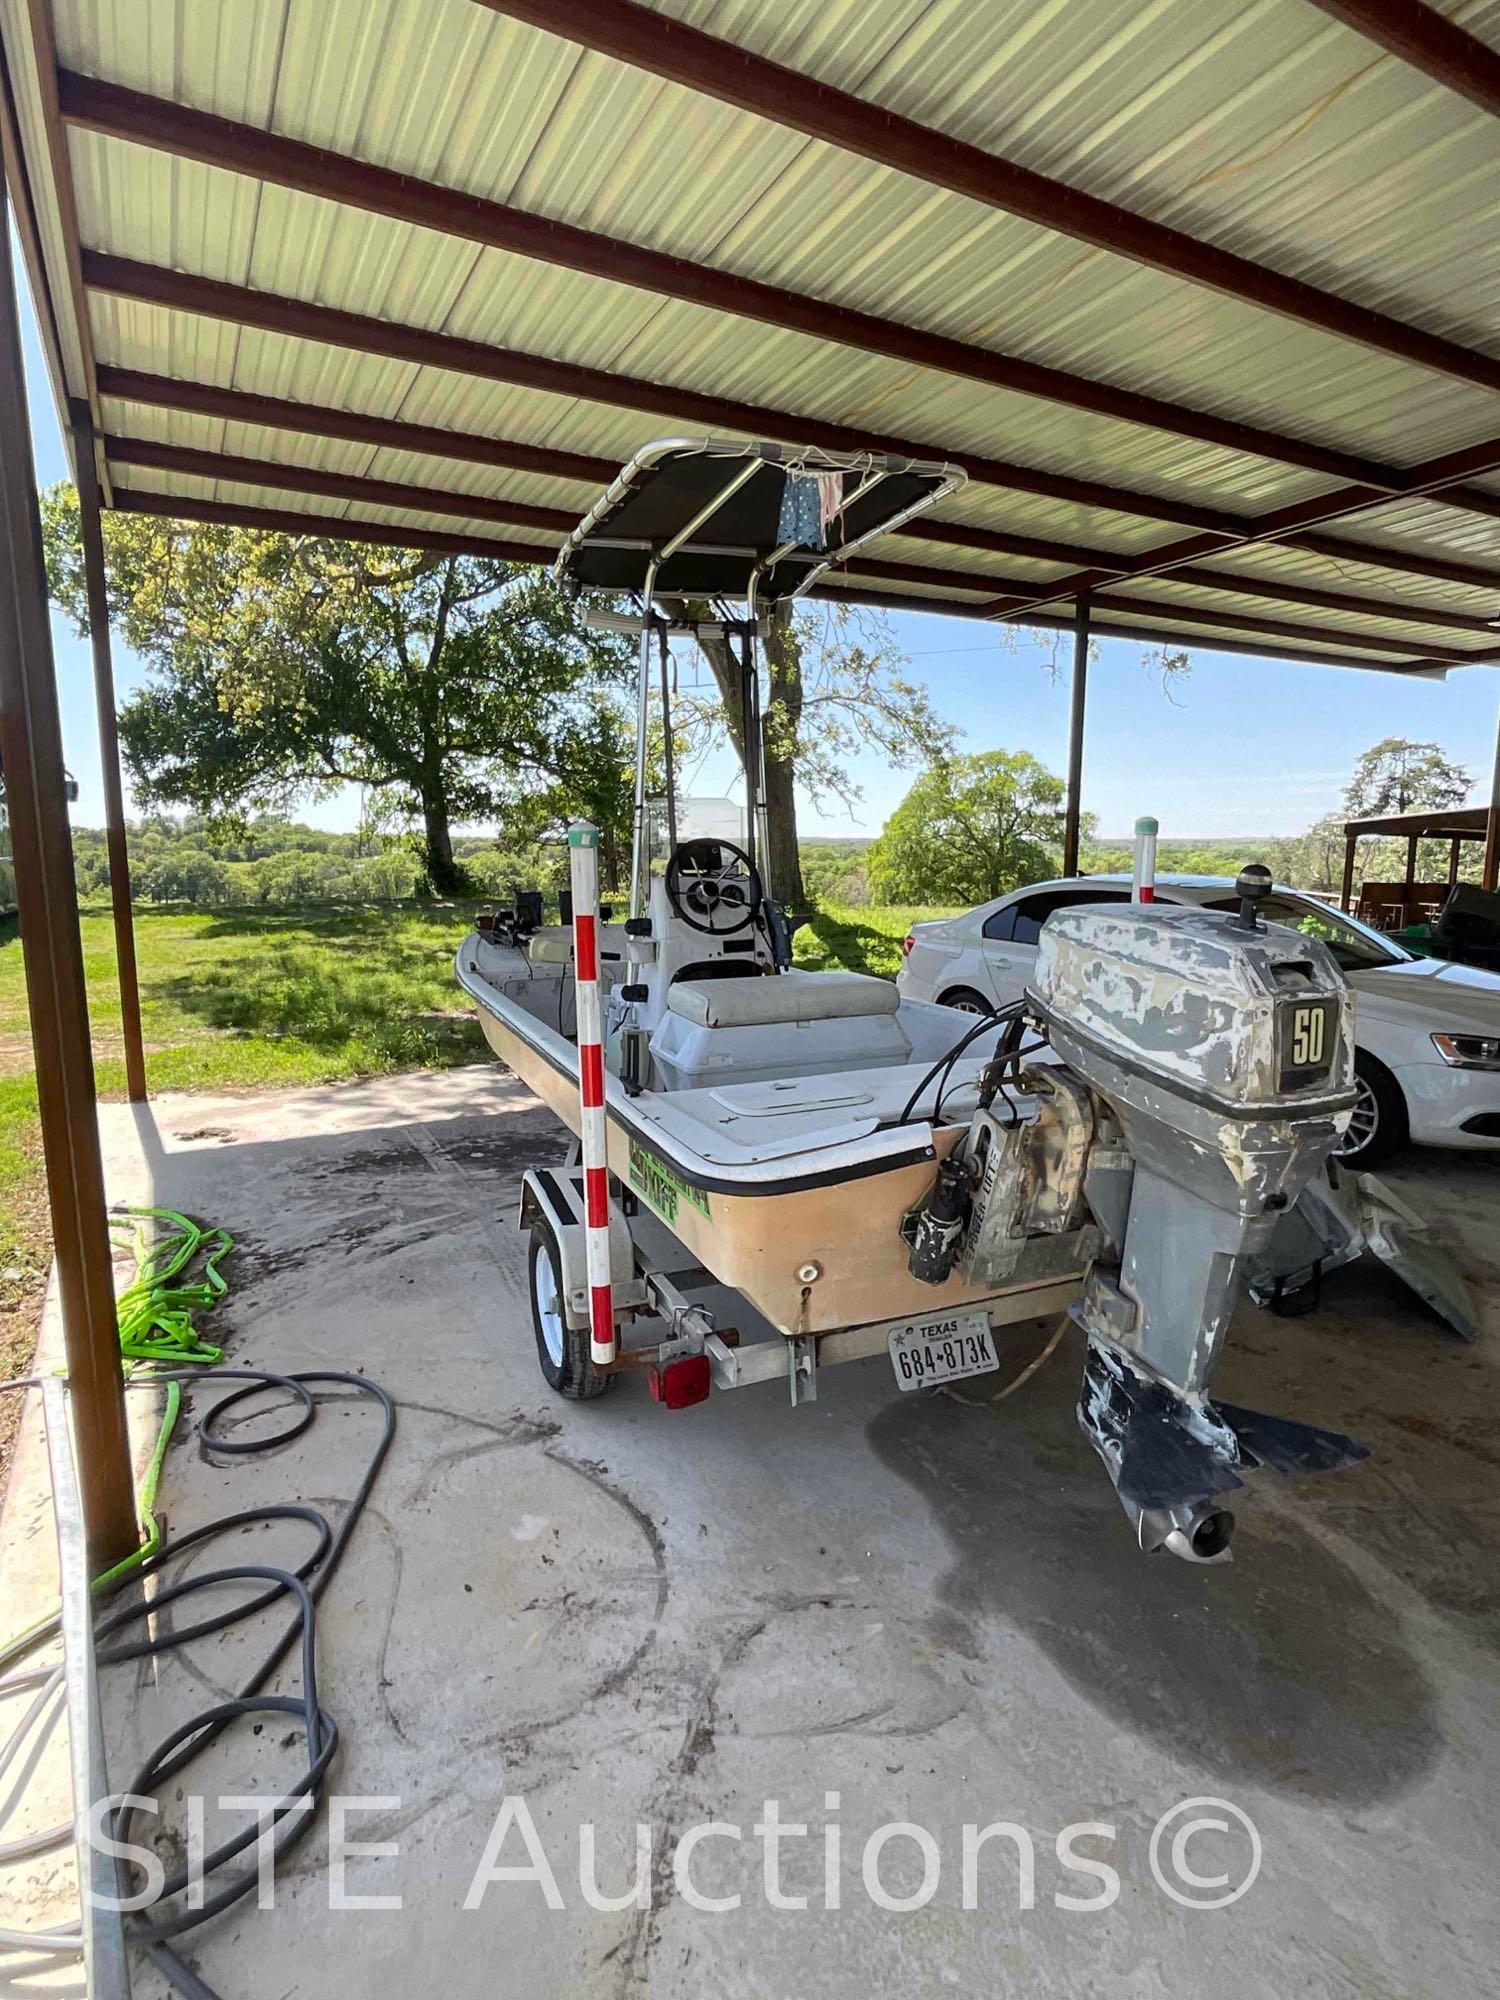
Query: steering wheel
<point x="713" y="886"/>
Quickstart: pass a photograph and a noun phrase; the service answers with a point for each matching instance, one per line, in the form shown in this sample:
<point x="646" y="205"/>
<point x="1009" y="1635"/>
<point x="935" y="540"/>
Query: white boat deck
<point x="731" y="1123"/>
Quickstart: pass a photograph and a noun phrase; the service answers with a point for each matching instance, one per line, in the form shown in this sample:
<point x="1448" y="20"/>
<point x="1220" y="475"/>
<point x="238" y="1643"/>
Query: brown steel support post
<point x="1346" y="895"/>
<point x="1453" y="853"/>
<point x="92" y="537"/>
<point x="1078" y="697"/>
<point x="46" y="898"/>
<point x="1411" y="877"/>
<point x="1490" y="874"/>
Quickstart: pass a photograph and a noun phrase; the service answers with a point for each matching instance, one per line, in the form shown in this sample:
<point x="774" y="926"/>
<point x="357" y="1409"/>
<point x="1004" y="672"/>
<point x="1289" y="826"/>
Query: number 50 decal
<point x="1309" y="1031"/>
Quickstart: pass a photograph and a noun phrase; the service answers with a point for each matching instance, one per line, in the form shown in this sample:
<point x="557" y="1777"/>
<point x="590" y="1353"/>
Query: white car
<point x="1427" y="1032"/>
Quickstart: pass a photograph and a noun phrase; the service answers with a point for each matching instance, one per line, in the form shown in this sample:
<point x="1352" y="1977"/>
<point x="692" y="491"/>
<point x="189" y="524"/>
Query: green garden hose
<point x="156" y="1315"/>
<point x="145" y="1501"/>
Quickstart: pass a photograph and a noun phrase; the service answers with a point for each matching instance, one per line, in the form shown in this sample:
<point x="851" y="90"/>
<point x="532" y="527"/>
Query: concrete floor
<point x="935" y="1612"/>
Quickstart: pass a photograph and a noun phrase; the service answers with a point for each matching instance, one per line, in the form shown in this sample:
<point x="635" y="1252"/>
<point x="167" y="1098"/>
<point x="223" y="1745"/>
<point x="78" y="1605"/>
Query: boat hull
<point x="765" y="1244"/>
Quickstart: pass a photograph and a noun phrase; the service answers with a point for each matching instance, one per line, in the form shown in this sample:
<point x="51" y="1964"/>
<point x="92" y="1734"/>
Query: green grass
<point x="230" y="1000"/>
<point x="860" y="940"/>
<point x="254" y="1000"/>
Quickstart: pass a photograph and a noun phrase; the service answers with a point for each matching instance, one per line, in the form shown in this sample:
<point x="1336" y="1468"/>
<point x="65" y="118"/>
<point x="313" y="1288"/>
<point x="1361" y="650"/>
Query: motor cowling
<point x="1221" y="1051"/>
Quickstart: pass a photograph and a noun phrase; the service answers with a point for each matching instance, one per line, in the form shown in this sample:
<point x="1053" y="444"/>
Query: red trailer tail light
<point x="680" y="1383"/>
<point x="907" y="942"/>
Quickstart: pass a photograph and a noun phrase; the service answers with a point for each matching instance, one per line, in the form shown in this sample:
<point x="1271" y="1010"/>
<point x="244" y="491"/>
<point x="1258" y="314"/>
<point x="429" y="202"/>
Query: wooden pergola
<point x="1202" y="300"/>
<point x="1455" y="824"/>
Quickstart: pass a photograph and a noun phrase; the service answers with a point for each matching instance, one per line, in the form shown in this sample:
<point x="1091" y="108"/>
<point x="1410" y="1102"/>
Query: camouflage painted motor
<point x="1219" y="1055"/>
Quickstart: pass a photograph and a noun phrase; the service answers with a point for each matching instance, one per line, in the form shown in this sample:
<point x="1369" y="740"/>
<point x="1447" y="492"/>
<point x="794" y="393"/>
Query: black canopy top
<point x="714" y="515"/>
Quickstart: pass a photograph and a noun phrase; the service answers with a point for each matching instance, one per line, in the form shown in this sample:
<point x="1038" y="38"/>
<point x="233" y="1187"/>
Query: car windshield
<point x="1355" y="946"/>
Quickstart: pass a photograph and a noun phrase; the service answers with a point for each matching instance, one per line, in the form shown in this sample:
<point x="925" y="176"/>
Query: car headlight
<point x="1469" y="1051"/>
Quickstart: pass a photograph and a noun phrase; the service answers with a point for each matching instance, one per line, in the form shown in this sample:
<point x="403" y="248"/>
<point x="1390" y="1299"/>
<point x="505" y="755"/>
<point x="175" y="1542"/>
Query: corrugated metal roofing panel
<point x="145" y="479"/>
<point x="1002" y="512"/>
<point x="1243" y="125"/>
<point x="617" y="152"/>
<point x="235" y="493"/>
<point x="1203" y="638"/>
<point x="1272" y="131"/>
<point x="1428" y="524"/>
<point x="16" y="28"/>
<point x="1403" y="633"/>
<point x="1288" y="565"/>
<point x="312" y="249"/>
<point x="915" y="548"/>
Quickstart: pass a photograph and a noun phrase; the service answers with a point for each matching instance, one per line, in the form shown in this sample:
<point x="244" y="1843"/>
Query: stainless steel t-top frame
<point x="645" y="537"/>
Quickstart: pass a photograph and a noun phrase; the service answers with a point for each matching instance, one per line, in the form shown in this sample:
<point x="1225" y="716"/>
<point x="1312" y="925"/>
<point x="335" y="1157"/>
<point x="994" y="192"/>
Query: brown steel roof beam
<point x="239" y="406"/>
<point x="181" y="291"/>
<point x="165" y="457"/>
<point x="1427" y="40"/>
<point x="317" y="420"/>
<point x="335" y="485"/>
<point x="1274" y="526"/>
<point x="385" y="493"/>
<point x="266" y="156"/>
<point x="1234" y="621"/>
<point x="132" y="500"/>
<point x="183" y="507"/>
<point x="1170" y="614"/>
<point x="211" y="297"/>
<point x="888" y="600"/>
<point x="648" y="40"/>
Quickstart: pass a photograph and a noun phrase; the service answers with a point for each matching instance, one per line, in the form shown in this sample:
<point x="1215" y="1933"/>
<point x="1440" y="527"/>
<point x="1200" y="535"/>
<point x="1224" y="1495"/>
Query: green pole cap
<point x="583" y="835"/>
<point x="1141" y="826"/>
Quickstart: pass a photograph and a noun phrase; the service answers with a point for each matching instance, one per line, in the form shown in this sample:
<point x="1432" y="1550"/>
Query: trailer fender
<point x="554" y="1195"/>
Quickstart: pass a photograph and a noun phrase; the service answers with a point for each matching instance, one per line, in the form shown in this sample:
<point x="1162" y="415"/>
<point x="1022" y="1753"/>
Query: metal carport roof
<point x="1205" y="300"/>
<point x="1202" y="297"/>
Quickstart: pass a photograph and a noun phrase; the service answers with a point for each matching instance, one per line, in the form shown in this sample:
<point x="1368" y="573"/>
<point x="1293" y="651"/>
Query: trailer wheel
<point x="563" y="1350"/>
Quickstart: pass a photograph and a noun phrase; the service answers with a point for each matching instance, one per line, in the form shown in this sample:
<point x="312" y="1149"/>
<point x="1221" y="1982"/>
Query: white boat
<point x="879" y="1175"/>
<point x="781" y="1122"/>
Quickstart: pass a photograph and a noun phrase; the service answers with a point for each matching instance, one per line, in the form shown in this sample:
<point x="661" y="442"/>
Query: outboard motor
<point x="1218" y="1054"/>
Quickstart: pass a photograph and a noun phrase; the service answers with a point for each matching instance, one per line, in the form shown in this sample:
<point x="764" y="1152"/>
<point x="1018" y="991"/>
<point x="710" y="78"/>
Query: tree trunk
<point x="783" y="863"/>
<point x="442" y="873"/>
<point x="783" y="724"/>
<point x="609" y="861"/>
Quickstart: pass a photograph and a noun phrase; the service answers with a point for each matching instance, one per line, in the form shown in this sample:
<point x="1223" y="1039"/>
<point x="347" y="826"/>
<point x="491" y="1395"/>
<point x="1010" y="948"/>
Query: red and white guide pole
<point x="1143" y="876"/>
<point x="583" y="863"/>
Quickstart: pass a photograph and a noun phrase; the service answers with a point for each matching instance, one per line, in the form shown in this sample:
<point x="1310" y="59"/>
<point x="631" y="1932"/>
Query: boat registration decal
<point x="661" y="1187"/>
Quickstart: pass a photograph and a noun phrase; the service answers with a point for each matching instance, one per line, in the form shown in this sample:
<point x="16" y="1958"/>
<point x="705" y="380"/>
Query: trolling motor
<point x="1206" y="1072"/>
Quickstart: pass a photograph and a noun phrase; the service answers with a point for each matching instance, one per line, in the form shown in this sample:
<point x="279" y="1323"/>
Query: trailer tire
<point x="564" y="1352"/>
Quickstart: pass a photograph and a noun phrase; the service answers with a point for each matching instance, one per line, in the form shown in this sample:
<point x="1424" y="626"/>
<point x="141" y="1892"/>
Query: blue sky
<point x="1244" y="747"/>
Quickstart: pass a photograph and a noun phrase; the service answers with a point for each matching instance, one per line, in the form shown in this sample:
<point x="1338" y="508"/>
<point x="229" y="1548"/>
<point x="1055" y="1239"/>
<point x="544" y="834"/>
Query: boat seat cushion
<point x="782" y="997"/>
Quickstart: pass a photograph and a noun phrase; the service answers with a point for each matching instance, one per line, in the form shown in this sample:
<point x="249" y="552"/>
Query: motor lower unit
<point x="1205" y="1073"/>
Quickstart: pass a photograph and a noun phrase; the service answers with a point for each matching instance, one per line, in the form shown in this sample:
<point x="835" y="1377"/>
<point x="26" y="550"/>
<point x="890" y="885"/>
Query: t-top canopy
<point x="714" y="517"/>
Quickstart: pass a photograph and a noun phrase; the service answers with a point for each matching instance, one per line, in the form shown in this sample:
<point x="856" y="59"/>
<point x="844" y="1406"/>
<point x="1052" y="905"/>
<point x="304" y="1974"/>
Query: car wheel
<point x="964" y="1000"/>
<point x="563" y="1350"/>
<point x="1377" y="1124"/>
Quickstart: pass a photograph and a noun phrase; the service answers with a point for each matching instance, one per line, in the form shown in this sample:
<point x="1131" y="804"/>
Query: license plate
<point x="927" y="1351"/>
